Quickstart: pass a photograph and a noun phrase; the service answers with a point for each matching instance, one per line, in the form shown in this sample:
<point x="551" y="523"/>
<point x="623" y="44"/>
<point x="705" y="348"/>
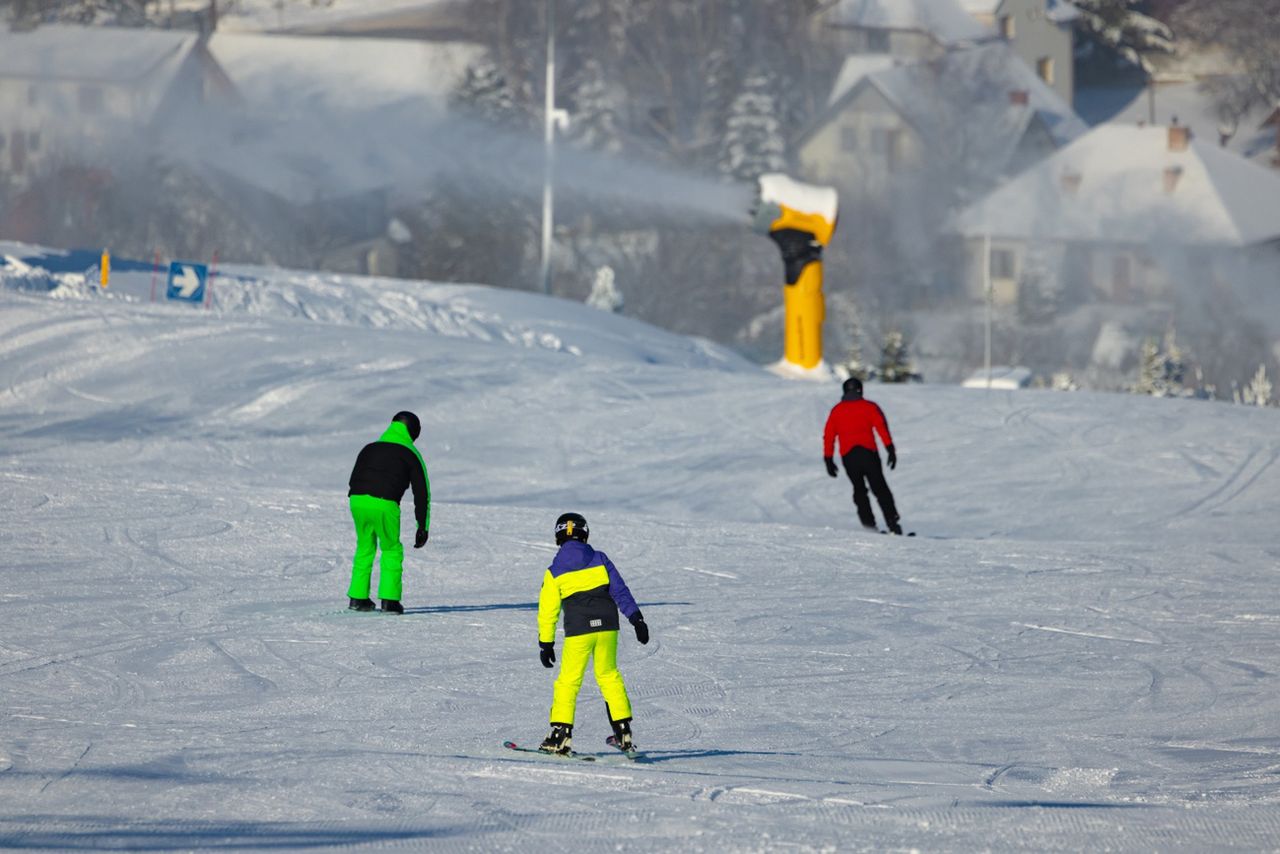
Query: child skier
<point x="383" y="471"/>
<point x="587" y="586"/>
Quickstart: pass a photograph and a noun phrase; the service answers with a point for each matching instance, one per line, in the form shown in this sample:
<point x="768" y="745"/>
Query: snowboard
<point x="511" y="745"/>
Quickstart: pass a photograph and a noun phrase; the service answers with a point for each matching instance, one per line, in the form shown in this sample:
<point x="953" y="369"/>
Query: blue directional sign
<point x="186" y="281"/>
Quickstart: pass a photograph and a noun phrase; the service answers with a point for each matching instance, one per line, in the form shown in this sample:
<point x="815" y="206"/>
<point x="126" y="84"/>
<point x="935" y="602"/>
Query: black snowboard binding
<point x="622" y="735"/>
<point x="559" y="740"/>
<point x="392" y="606"/>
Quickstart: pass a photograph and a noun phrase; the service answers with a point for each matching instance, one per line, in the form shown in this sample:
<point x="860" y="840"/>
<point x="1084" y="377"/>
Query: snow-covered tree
<point x="595" y="111"/>
<point x="485" y="93"/>
<point x="604" y="291"/>
<point x="1119" y="30"/>
<point x="854" y="364"/>
<point x="1258" y="391"/>
<point x="754" y="142"/>
<point x="1248" y="31"/>
<point x="895" y="359"/>
<point x="1162" y="372"/>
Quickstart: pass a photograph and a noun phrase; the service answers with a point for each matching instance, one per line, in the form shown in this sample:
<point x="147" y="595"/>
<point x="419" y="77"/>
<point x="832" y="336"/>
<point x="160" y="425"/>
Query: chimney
<point x="1179" y="137"/>
<point x="1171" y="176"/>
<point x="1070" y="180"/>
<point x="1019" y="97"/>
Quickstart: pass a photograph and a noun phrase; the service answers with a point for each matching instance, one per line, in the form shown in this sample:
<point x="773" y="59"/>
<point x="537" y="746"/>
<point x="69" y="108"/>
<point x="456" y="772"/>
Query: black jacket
<point x="386" y="468"/>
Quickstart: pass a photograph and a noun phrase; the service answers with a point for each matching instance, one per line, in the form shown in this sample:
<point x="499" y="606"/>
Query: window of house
<point x="33" y="140"/>
<point x="1044" y="68"/>
<point x="1003" y="264"/>
<point x="878" y="41"/>
<point x="33" y="95"/>
<point x="848" y="139"/>
<point x="90" y="98"/>
<point x="1" y="142"/>
<point x="1008" y="29"/>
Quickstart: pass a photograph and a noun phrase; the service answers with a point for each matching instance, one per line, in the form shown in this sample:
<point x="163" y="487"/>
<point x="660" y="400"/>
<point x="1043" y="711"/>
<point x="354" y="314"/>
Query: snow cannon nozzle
<point x="782" y="202"/>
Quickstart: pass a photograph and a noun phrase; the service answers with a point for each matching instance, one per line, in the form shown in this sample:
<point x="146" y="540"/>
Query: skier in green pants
<point x="383" y="471"/>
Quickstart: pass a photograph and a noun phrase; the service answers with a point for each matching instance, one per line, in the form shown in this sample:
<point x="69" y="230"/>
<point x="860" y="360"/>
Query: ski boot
<point x="361" y="605"/>
<point x="622" y="735"/>
<point x="559" y="740"/>
<point x="392" y="606"/>
<point x="894" y="527"/>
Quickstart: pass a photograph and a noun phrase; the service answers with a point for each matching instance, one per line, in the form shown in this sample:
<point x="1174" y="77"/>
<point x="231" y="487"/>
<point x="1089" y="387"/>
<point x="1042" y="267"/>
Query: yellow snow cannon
<point x="800" y="218"/>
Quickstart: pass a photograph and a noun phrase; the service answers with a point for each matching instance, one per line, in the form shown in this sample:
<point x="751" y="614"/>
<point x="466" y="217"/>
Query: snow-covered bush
<point x="604" y="291"/>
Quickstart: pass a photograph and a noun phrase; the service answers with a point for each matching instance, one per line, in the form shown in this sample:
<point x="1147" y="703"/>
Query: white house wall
<point x="1036" y="36"/>
<point x="824" y="157"/>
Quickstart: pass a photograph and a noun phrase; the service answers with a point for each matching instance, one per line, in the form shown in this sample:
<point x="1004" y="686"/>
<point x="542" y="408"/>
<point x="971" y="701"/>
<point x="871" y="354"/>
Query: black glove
<point x="831" y="467"/>
<point x="637" y="623"/>
<point x="420" y="539"/>
<point x="547" y="652"/>
<point x="893" y="457"/>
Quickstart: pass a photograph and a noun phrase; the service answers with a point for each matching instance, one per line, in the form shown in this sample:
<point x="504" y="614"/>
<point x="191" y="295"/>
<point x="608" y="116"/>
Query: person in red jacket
<point x="855" y="421"/>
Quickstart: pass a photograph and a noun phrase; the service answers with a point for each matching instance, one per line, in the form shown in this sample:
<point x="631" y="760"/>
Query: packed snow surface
<point x="1079" y="650"/>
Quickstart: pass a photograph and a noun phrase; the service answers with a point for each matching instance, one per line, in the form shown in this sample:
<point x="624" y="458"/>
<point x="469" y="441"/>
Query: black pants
<point x="863" y="467"/>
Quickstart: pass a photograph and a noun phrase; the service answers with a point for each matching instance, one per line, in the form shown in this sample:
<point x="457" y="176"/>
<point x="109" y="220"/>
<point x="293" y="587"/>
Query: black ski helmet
<point x="852" y="387"/>
<point x="571" y="526"/>
<point x="411" y="421"/>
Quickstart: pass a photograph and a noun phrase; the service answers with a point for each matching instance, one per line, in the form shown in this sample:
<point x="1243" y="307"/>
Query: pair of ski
<point x="612" y="741"/>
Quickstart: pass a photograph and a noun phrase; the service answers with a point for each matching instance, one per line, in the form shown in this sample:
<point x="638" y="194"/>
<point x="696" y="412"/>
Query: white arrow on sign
<point x="187" y="283"/>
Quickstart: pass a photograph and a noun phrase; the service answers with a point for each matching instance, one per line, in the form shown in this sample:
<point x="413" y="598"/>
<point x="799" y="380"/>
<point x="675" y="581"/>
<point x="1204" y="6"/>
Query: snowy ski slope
<point x="1079" y="651"/>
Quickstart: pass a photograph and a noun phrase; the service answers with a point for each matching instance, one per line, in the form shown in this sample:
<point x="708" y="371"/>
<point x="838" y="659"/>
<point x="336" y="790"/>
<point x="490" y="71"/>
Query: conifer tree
<point x="895" y="359"/>
<point x="753" y="142"/>
<point x="1258" y="391"/>
<point x="1120" y="31"/>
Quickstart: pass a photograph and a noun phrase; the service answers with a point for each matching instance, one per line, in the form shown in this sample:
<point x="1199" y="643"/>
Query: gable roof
<point x="967" y="88"/>
<point x="111" y="55"/>
<point x="1059" y="11"/>
<point x="1217" y="199"/>
<point x="944" y="20"/>
<point x="323" y="117"/>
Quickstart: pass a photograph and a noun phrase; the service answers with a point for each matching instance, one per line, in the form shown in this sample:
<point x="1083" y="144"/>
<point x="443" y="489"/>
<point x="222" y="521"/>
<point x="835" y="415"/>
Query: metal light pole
<point x="549" y="149"/>
<point x="989" y="298"/>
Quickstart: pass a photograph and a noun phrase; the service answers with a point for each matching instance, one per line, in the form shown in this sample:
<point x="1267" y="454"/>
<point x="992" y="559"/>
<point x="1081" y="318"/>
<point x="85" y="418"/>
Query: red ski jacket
<point x="853" y="423"/>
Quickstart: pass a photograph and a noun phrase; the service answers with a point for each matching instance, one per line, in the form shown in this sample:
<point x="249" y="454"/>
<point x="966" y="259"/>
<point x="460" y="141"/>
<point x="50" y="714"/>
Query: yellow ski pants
<point x="578" y="650"/>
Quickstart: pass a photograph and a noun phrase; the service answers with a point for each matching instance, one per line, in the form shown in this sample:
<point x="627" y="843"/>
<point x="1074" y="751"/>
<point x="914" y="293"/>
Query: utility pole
<point x="549" y="149"/>
<point x="989" y="298"/>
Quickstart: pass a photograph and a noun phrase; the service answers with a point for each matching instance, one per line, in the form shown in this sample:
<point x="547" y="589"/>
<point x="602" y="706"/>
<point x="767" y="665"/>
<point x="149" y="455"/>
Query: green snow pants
<point x="377" y="524"/>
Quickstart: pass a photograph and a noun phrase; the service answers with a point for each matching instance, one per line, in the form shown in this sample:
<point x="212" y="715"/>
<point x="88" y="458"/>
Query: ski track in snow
<point x="1077" y="652"/>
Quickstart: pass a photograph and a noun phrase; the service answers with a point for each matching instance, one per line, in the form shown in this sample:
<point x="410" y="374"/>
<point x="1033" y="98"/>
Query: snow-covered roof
<point x="113" y="55"/>
<point x="299" y="71"/>
<point x="945" y="20"/>
<point x="1184" y="101"/>
<point x="983" y="74"/>
<point x="1124" y="184"/>
<point x="326" y="16"/>
<point x="1055" y="10"/>
<point x="1062" y="12"/>
<point x="969" y="88"/>
<point x="323" y="117"/>
<point x="857" y="66"/>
